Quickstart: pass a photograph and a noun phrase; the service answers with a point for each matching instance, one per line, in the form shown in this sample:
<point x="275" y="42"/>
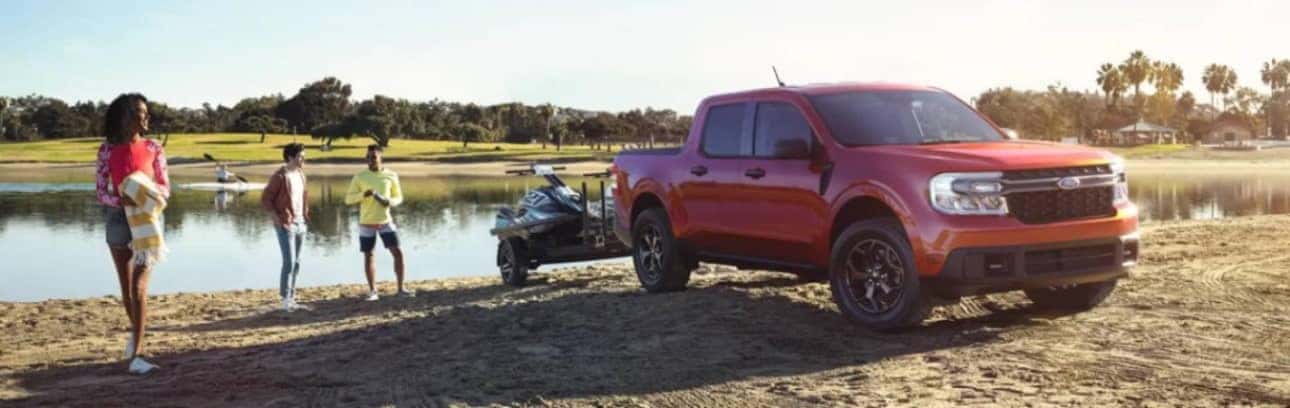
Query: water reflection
<point x="1188" y="197"/>
<point x="51" y="235"/>
<point x="430" y="203"/>
<point x="53" y="240"/>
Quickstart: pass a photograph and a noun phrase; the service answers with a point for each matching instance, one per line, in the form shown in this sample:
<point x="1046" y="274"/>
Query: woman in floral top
<point x="126" y="151"/>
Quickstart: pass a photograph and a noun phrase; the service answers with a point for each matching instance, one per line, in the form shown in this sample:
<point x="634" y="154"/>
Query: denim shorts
<point x="117" y="227"/>
<point x="367" y="237"/>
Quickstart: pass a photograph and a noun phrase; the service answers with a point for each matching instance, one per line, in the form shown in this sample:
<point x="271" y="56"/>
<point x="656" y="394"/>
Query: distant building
<point x="1144" y="132"/>
<point x="1228" y="131"/>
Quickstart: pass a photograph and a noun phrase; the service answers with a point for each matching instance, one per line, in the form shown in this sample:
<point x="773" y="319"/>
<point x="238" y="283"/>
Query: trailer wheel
<point x="513" y="261"/>
<point x="660" y="265"/>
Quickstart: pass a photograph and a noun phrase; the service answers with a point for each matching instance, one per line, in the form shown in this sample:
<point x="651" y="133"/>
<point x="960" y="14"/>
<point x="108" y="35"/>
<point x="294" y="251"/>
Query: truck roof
<point x="824" y="88"/>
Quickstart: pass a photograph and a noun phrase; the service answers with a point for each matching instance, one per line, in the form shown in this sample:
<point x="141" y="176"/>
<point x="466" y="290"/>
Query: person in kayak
<point x="222" y="174"/>
<point x="376" y="190"/>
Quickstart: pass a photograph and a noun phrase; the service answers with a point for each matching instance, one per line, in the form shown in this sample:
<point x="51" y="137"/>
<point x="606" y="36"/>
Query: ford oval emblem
<point x="1068" y="183"/>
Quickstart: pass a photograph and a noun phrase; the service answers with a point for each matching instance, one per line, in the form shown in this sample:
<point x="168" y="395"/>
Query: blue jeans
<point x="289" y="241"/>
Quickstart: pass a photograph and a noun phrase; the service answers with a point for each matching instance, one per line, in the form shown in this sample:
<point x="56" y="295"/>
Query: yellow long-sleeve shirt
<point x="386" y="184"/>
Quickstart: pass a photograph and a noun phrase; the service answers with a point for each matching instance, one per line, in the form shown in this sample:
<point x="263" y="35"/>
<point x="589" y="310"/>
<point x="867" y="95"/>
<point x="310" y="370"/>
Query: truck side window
<point x="781" y="132"/>
<point x="723" y="130"/>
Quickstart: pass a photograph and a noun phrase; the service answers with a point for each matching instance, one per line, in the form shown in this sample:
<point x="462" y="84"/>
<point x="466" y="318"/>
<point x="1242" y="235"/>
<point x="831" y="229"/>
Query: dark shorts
<point x="118" y="229"/>
<point x="367" y="237"/>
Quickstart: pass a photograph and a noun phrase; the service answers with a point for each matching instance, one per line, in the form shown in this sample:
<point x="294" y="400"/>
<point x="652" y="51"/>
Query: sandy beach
<point x="1204" y="321"/>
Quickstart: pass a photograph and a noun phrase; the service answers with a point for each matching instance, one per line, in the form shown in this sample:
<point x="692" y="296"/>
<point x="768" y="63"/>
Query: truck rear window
<point x="901" y="117"/>
<point x="723" y="131"/>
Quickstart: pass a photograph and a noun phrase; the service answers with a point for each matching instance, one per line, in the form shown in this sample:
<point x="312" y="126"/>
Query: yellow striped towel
<point x="144" y="218"/>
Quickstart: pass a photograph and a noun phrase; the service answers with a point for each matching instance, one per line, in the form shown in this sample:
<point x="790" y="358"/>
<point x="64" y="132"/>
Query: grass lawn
<point x="1149" y="151"/>
<point x="1188" y="152"/>
<point x="246" y="147"/>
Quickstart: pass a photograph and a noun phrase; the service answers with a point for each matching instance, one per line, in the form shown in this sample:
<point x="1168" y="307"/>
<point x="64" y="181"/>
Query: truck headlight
<point x="1121" y="182"/>
<point x="968" y="194"/>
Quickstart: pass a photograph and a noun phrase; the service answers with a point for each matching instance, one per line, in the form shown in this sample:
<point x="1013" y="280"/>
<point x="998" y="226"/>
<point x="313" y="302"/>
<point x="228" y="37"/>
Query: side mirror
<point x="1010" y="134"/>
<point x="792" y="149"/>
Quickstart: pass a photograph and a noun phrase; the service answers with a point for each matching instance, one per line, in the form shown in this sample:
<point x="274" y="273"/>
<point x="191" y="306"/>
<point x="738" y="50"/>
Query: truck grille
<point x="1054" y="205"/>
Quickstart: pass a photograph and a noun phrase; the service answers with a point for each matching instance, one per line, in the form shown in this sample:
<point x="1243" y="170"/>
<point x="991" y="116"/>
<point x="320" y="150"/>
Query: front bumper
<point x="980" y="270"/>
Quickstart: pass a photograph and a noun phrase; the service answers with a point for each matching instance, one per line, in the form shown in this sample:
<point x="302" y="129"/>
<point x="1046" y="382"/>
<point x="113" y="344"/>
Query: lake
<point x="51" y="233"/>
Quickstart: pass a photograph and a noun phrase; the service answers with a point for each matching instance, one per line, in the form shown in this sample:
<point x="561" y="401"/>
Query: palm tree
<point x="1137" y="69"/>
<point x="1167" y="77"/>
<point x="1228" y="84"/>
<point x="1213" y="80"/>
<point x="1276" y="74"/>
<point x="1112" y="82"/>
<point x="547" y="111"/>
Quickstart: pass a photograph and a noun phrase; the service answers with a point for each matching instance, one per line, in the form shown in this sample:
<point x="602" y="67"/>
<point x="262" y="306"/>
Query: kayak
<point x="239" y="186"/>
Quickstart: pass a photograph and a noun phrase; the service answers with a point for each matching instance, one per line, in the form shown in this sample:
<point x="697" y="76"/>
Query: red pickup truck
<point x="902" y="196"/>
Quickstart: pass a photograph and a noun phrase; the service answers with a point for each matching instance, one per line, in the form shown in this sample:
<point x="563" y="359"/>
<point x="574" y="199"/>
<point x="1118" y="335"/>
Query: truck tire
<point x="873" y="277"/>
<point x="1078" y="297"/>
<point x="660" y="265"/>
<point x="513" y="261"/>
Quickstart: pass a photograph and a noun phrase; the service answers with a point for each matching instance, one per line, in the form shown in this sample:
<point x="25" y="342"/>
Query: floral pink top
<point x="106" y="189"/>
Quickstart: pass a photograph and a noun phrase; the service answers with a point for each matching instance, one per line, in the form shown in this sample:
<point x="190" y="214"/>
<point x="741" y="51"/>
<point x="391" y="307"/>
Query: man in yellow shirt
<point x="376" y="190"/>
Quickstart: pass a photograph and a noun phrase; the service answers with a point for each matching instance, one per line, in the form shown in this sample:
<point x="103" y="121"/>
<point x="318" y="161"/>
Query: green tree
<point x="471" y="132"/>
<point x="56" y="120"/>
<point x="316" y="104"/>
<point x="264" y="124"/>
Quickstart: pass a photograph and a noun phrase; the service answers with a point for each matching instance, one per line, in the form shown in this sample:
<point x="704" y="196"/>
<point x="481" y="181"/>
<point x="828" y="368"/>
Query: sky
<point x="608" y="55"/>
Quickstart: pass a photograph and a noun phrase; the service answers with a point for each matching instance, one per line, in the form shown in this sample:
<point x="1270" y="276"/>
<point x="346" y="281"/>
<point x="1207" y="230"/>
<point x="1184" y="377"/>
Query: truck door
<point x="785" y="211"/>
<point x="709" y="188"/>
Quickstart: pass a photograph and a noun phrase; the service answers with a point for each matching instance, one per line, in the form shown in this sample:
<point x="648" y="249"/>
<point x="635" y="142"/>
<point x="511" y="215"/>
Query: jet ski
<point x="553" y="224"/>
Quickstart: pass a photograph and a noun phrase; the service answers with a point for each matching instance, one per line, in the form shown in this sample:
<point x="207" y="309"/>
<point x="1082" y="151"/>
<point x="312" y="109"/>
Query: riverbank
<point x="1202" y="322"/>
<point x="19" y="172"/>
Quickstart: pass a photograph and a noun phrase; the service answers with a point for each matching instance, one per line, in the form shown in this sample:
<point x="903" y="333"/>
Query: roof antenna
<point x="772" y="69"/>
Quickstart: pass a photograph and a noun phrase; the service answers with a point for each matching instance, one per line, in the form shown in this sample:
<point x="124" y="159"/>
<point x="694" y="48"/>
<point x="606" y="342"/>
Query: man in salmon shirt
<point x="286" y="198"/>
<point x="123" y="152"/>
<point x="376" y="190"/>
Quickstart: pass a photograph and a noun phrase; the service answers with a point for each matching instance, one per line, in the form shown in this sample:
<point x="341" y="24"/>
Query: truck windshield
<point x="901" y="117"/>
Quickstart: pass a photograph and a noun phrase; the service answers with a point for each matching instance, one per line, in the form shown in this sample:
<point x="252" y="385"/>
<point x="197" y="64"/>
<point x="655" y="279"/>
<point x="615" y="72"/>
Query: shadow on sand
<point x="556" y="339"/>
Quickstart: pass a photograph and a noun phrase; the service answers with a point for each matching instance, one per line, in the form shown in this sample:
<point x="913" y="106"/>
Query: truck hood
<point x="995" y="156"/>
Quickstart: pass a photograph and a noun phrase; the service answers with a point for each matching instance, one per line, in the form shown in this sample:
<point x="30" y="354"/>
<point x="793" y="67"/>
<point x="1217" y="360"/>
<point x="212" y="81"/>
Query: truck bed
<point x="662" y="151"/>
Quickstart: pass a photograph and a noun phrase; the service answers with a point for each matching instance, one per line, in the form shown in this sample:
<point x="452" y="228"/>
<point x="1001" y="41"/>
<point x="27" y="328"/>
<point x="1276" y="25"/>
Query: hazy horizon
<point x="599" y="56"/>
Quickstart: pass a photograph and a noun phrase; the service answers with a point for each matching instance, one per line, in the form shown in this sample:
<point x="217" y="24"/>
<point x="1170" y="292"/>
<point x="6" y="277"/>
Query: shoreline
<point x="404" y="168"/>
<point x="589" y="336"/>
<point x="497" y="168"/>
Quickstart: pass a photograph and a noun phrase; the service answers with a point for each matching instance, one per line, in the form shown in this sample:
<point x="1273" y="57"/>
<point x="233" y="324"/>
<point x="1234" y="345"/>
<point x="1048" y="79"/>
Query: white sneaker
<point x="287" y="305"/>
<point x="129" y="347"/>
<point x="141" y="366"/>
<point x="372" y="297"/>
<point x="407" y="294"/>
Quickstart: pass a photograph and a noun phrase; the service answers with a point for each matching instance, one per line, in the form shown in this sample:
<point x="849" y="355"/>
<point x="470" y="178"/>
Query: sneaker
<point x="407" y="294"/>
<point x="288" y="304"/>
<point x="141" y="366"/>
<point x="129" y="347"/>
<point x="372" y="297"/>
